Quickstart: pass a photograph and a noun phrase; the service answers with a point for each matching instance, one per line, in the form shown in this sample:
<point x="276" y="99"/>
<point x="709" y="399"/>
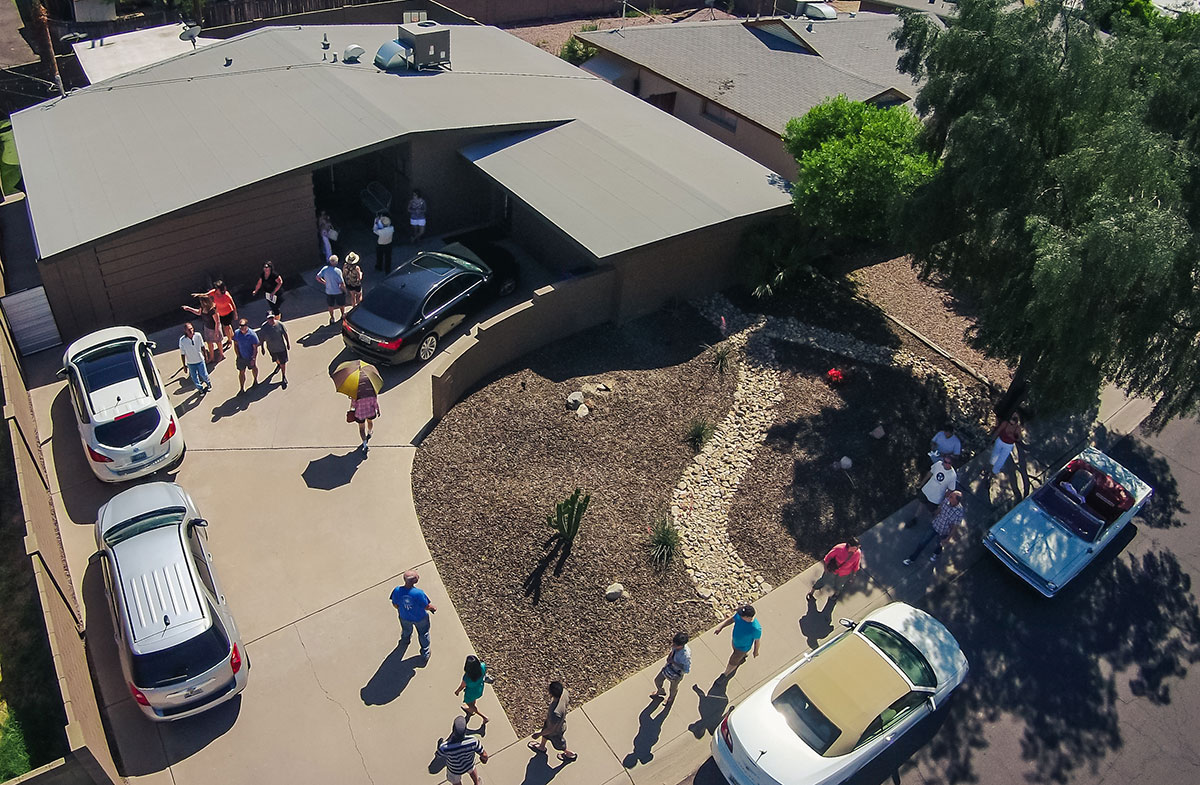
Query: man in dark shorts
<point x="554" y="729"/>
<point x="247" y="352"/>
<point x="335" y="288"/>
<point x="273" y="337"/>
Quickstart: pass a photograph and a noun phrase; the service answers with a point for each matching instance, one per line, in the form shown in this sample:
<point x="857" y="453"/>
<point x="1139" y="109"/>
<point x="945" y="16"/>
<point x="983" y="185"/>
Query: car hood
<point x="764" y="738"/>
<point x="137" y="500"/>
<point x="1045" y="547"/>
<point x="929" y="635"/>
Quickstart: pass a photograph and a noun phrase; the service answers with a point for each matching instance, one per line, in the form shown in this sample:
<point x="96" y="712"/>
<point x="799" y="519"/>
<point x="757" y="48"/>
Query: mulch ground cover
<point x="793" y="505"/>
<point x="494" y="467"/>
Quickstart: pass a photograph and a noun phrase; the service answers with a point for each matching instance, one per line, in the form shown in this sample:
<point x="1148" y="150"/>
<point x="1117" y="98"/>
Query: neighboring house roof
<point x="766" y="70"/>
<point x="108" y="56"/>
<point x="173" y="134"/>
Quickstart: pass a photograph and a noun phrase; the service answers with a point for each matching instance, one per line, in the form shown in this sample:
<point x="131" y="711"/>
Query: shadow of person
<point x="391" y="677"/>
<point x="332" y="471"/>
<point x="538" y="770"/>
<point x="711" y="707"/>
<point x="189" y="403"/>
<point x="816" y="624"/>
<point x="649" y="729"/>
<point x="320" y="335"/>
<point x="241" y="401"/>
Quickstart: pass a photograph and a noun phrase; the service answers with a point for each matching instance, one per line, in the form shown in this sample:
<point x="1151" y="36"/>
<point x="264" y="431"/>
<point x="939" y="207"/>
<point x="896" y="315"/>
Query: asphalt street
<point x="1093" y="686"/>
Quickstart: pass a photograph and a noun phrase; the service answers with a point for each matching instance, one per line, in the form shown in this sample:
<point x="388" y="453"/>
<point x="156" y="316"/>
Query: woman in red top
<point x="226" y="309"/>
<point x="842" y="561"/>
<point x="1008" y="433"/>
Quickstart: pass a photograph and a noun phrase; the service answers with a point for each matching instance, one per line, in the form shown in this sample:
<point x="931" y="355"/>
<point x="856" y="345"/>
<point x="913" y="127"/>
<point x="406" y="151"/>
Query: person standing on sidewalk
<point x="945" y="523"/>
<point x="935" y="484"/>
<point x="352" y="274"/>
<point x="414" y="607"/>
<point x="247" y="353"/>
<point x="335" y="288"/>
<point x="274" y="339"/>
<point x="1008" y="433"/>
<point x="679" y="663"/>
<point x="385" y="233"/>
<point x="747" y="632"/>
<point x="459" y="753"/>
<point x="471" y="686"/>
<point x="416" y="215"/>
<point x="554" y="728"/>
<point x="227" y="312"/>
<point x="842" y="561"/>
<point x="191" y="352"/>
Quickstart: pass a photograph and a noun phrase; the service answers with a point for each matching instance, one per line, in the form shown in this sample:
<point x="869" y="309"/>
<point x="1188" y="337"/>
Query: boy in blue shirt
<point x="746" y="634"/>
<point x="414" y="607"/>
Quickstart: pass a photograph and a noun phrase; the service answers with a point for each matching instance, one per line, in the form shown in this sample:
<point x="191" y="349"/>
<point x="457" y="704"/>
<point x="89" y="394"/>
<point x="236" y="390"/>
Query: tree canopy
<point x="1067" y="200"/>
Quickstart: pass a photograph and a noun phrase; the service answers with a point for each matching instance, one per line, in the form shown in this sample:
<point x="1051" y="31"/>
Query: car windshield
<point x="445" y="263"/>
<point x="183" y="661"/>
<point x="398" y="305"/>
<point x="805" y="719"/>
<point x="108" y="365"/>
<point x="128" y="428"/>
<point x="900" y="651"/>
<point x="172" y="516"/>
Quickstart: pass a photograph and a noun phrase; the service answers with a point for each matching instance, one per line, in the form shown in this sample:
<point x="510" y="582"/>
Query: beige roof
<point x="851" y="683"/>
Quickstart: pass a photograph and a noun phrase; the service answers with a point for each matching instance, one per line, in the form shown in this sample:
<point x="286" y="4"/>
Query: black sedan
<point x="410" y="311"/>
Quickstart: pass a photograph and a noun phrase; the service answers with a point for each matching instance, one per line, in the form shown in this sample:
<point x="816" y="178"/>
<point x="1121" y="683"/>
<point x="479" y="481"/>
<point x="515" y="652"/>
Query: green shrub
<point x="654" y="11"/>
<point x="699" y="432"/>
<point x="576" y="52"/>
<point x="664" y="542"/>
<point x="14" y="759"/>
<point x="590" y="27"/>
<point x="568" y="514"/>
<point x="720" y="357"/>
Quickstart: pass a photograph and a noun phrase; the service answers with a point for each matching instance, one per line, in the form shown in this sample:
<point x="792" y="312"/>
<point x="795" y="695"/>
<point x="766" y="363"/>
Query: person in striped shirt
<point x="458" y="751"/>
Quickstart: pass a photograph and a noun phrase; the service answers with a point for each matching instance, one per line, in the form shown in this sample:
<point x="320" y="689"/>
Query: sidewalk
<point x="623" y="738"/>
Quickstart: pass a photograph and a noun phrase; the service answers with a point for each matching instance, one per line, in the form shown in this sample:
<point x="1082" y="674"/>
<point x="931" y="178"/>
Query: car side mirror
<point x="932" y="704"/>
<point x="152" y="345"/>
<point x="848" y="623"/>
<point x="198" y="522"/>
<point x="61" y="373"/>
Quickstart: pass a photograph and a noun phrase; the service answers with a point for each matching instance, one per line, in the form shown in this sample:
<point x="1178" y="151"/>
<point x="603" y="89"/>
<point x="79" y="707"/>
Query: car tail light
<point x="235" y="659"/>
<point x="97" y="457"/>
<point x="391" y="344"/>
<point x="170" y="431"/>
<point x="726" y="736"/>
<point x="137" y="695"/>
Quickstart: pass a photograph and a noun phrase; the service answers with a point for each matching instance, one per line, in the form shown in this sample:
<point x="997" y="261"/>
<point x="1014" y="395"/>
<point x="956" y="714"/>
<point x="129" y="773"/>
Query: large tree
<point x="1067" y="199"/>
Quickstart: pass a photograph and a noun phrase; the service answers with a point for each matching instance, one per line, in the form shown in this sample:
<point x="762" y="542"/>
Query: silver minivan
<point x="179" y="647"/>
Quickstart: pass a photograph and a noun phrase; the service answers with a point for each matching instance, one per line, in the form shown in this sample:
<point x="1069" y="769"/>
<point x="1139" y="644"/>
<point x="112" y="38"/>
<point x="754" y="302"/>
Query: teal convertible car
<point x="1053" y="534"/>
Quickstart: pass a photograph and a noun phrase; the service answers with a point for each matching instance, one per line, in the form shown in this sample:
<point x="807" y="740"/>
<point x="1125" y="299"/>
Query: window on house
<point x="719" y="115"/>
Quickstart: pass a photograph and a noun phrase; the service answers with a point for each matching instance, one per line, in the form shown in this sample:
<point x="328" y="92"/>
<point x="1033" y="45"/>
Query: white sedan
<point x="842" y="704"/>
<point x="126" y="421"/>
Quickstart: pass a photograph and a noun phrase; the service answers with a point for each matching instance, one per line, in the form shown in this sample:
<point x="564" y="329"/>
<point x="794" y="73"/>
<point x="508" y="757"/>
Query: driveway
<point x="309" y="539"/>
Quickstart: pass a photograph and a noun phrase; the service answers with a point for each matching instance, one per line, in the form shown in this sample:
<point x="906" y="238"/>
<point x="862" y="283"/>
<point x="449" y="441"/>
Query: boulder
<point x="615" y="592"/>
<point x="575" y="400"/>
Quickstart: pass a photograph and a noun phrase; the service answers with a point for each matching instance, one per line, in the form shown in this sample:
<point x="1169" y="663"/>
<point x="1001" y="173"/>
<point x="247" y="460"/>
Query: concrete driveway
<point x="309" y="538"/>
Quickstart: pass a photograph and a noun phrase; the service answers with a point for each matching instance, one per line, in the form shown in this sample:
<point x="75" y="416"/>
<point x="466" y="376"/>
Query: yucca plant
<point x="664" y="542"/>
<point x="698" y="433"/>
<point x="720" y="357"/>
<point x="568" y="514"/>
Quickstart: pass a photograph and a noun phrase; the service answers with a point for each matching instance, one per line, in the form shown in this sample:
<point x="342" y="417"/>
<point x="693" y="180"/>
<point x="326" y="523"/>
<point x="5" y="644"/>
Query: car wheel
<point x="507" y="287"/>
<point x="428" y="347"/>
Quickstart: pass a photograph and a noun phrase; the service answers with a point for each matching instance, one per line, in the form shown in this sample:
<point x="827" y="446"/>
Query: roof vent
<point x="394" y="56"/>
<point x="352" y="53"/>
<point x="816" y="10"/>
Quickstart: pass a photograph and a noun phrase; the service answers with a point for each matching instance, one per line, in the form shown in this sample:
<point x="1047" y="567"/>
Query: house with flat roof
<point x="144" y="186"/>
<point x="740" y="81"/>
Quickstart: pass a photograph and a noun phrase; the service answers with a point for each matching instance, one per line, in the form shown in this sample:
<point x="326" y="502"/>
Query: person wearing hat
<point x="747" y="632"/>
<point x="384" y="234"/>
<point x="352" y="274"/>
<point x="458" y="751"/>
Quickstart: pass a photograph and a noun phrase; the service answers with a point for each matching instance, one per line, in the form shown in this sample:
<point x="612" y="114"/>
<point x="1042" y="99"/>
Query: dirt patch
<point x="486" y="477"/>
<point x="930" y="309"/>
<point x="551" y="37"/>
<point x="792" y="505"/>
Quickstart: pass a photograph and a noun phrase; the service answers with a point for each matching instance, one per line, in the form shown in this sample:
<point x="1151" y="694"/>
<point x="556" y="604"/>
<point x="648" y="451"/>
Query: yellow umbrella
<point x="347" y="376"/>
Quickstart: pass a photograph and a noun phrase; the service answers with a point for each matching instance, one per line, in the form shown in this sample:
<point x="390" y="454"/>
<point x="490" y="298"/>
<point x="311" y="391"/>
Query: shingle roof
<point x="767" y="70"/>
<point x="144" y="144"/>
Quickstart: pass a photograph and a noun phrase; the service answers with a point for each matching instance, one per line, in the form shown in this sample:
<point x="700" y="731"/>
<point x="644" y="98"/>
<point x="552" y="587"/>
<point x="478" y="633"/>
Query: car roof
<point x="159" y="588"/>
<point x="99" y="338"/>
<point x="850" y="682"/>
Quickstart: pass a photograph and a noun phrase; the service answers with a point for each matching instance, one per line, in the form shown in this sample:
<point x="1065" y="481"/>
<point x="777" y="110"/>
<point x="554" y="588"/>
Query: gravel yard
<point x="494" y="467"/>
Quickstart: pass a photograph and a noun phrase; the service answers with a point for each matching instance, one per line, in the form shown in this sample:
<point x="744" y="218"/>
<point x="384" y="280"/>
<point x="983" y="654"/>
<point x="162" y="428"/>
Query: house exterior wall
<point x="545" y="241"/>
<point x="459" y="195"/>
<point x="689" y="265"/>
<point x="152" y="269"/>
<point x="752" y="140"/>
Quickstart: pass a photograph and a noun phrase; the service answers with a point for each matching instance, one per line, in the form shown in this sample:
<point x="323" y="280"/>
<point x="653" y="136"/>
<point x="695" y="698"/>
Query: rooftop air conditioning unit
<point x="429" y="41"/>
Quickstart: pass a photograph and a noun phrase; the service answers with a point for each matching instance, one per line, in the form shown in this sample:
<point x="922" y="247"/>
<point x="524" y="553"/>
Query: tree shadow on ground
<point x="1134" y="627"/>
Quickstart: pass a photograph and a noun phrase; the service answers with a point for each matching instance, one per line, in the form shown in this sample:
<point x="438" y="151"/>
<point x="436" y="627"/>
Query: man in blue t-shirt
<point x="414" y="608"/>
<point x="746" y="634"/>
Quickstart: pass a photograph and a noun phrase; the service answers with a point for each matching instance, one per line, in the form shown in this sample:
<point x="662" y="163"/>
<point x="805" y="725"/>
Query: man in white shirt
<point x="385" y="233"/>
<point x="191" y="352"/>
<point x="937" y="482"/>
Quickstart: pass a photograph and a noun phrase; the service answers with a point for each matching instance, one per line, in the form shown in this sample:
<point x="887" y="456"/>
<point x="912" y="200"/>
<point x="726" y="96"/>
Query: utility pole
<point x="48" y="57"/>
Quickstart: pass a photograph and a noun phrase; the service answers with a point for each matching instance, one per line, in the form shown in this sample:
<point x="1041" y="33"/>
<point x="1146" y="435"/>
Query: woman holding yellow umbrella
<point x="361" y="382"/>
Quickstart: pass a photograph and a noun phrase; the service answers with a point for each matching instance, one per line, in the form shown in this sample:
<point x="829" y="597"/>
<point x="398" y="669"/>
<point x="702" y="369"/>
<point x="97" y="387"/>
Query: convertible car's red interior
<point x="1099" y="492"/>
